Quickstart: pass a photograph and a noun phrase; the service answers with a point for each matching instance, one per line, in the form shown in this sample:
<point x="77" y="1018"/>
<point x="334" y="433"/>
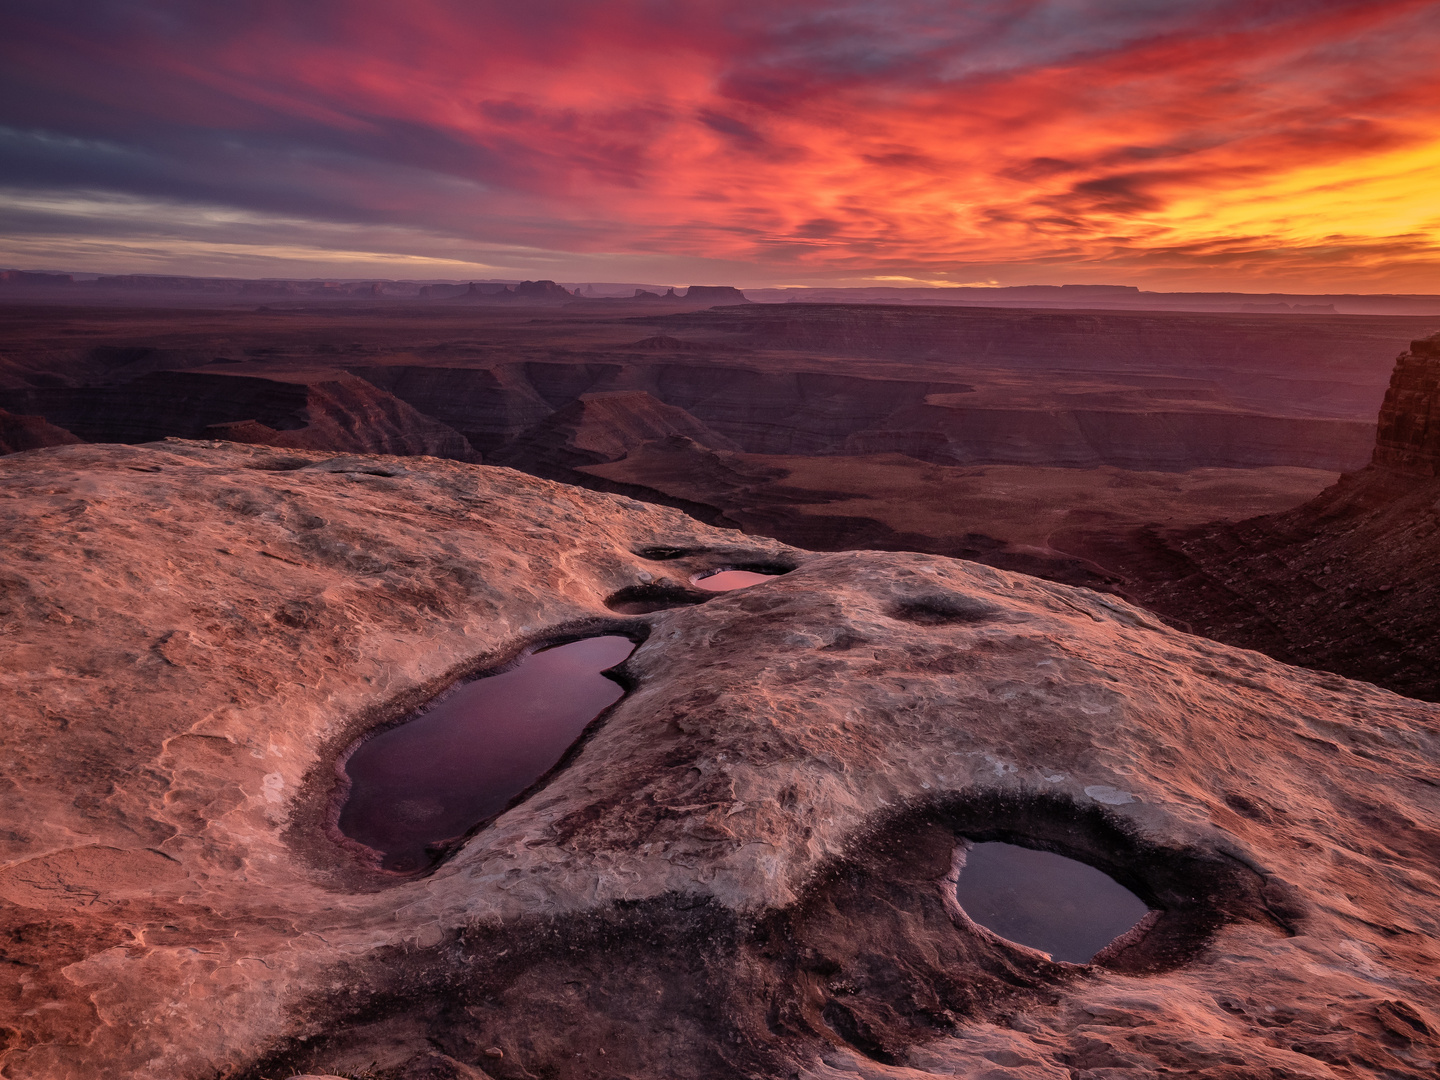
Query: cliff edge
<point x="1348" y="582"/>
<point x="1408" y="439"/>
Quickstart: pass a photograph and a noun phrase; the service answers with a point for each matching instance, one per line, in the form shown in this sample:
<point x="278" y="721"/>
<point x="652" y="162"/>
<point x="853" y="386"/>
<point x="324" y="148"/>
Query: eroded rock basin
<point x="464" y="758"/>
<point x="1051" y="903"/>
<point x="728" y="580"/>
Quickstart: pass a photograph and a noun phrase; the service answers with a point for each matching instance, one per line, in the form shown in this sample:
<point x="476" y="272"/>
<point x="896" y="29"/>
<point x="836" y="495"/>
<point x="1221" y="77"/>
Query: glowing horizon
<point x="1200" y="145"/>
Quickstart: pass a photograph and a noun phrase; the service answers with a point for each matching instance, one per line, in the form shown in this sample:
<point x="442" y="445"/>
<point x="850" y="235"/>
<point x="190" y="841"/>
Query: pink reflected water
<point x="460" y="762"/>
<point x="727" y="580"/>
<point x="1057" y="905"/>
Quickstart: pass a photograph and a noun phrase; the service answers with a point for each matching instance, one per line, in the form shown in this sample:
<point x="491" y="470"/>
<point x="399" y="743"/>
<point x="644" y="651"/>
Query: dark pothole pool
<point x="461" y="761"/>
<point x="1046" y="901"/>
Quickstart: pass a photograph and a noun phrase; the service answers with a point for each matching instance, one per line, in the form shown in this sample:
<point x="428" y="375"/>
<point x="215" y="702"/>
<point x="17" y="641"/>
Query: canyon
<point x="243" y="546"/>
<point x="948" y="386"/>
<point x="1079" y="446"/>
<point x="1346" y="582"/>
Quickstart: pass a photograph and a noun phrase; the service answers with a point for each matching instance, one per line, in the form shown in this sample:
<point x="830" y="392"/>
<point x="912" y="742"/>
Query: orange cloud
<point x="1201" y="144"/>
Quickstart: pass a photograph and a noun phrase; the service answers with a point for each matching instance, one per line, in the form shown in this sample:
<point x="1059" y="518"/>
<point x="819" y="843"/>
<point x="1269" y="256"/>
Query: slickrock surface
<point x="742" y="871"/>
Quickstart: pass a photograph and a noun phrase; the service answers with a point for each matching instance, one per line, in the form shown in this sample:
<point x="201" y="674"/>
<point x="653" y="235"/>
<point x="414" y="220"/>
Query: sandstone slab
<point x="746" y="867"/>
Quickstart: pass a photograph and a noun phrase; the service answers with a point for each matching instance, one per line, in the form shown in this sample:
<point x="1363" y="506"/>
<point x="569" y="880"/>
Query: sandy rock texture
<point x="746" y="866"/>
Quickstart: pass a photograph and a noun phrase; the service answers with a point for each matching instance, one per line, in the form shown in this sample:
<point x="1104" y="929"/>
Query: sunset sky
<point x="1291" y="145"/>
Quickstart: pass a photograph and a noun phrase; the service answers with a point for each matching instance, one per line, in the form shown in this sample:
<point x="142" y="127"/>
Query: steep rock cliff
<point x="1348" y="582"/>
<point x="1408" y="440"/>
<point x="327" y="412"/>
<point x="31" y="433"/>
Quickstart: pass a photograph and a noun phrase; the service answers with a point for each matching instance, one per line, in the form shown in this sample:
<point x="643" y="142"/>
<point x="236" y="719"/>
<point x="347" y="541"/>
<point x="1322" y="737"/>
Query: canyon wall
<point x="816" y="412"/>
<point x="1408" y="440"/>
<point x="30" y="433"/>
<point x="1348" y="582"/>
<point x="332" y="411"/>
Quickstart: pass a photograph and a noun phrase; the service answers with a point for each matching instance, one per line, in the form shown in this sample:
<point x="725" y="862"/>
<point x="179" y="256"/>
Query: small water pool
<point x="727" y="580"/>
<point x="1058" y="905"/>
<point x="458" y="763"/>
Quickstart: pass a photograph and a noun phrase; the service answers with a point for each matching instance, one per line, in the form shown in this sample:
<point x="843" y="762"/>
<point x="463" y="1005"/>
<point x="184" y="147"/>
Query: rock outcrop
<point x="714" y="295"/>
<point x="333" y="411"/>
<point x="1408" y="439"/>
<point x="1348" y="582"/>
<point x="744" y="869"/>
<point x="31" y="433"/>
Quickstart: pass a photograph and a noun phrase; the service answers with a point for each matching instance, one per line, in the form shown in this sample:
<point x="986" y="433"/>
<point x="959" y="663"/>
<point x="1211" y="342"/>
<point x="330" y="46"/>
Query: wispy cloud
<point x="1184" y="143"/>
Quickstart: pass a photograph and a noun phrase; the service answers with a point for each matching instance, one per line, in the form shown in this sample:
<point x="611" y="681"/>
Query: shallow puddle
<point x="726" y="580"/>
<point x="461" y="761"/>
<point x="1046" y="901"/>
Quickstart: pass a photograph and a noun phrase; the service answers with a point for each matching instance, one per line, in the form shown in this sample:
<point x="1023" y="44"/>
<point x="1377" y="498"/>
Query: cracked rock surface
<point x="745" y="868"/>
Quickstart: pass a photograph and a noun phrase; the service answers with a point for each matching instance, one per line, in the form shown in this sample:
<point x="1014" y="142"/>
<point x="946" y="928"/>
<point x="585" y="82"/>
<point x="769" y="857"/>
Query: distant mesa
<point x="714" y="295"/>
<point x="542" y="290"/>
<point x="665" y="343"/>
<point x="31" y="285"/>
<point x="489" y="292"/>
<point x="695" y="295"/>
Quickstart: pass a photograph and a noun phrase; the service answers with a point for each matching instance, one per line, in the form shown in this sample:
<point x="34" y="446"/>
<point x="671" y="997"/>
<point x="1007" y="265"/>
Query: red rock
<point x="1408" y="440"/>
<point x="30" y="433"/>
<point x="331" y="412"/>
<point x="1348" y="582"/>
<point x="741" y="871"/>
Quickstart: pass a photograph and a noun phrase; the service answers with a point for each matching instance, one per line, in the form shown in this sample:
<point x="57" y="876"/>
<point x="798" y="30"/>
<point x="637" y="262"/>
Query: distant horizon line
<point x="1075" y="288"/>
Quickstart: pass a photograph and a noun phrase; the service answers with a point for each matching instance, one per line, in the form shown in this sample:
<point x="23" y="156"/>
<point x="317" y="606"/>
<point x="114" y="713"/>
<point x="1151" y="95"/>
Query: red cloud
<point x="819" y="137"/>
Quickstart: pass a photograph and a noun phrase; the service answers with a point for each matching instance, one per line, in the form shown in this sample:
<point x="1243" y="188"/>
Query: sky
<point x="1288" y="145"/>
